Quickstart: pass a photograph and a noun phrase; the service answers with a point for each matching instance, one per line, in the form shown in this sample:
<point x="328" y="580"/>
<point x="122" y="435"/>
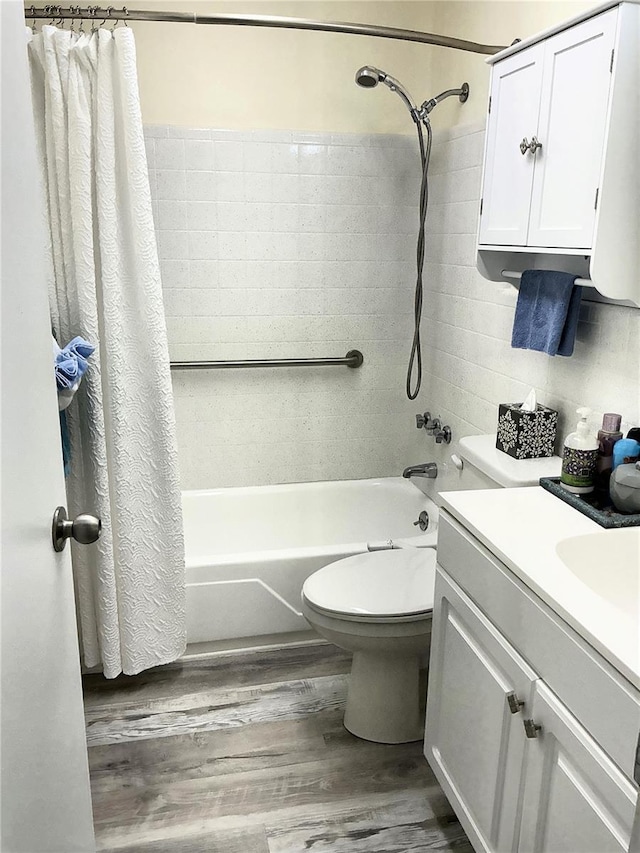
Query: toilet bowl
<point x="378" y="606"/>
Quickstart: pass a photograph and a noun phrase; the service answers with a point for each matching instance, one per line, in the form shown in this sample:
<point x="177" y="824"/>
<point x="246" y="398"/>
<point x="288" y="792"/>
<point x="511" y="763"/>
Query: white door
<point x="571" y="130"/>
<point x="46" y="802"/>
<point x="474" y="740"/>
<point x="575" y="798"/>
<point x="508" y="174"/>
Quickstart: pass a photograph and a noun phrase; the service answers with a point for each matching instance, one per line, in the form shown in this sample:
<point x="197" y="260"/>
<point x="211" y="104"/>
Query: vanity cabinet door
<point x="508" y="173"/>
<point x="571" y="130"/>
<point x="575" y="798"/>
<point x="474" y="741"/>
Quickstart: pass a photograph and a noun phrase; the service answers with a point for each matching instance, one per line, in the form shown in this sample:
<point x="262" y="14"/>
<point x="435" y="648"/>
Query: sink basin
<point x="609" y="564"/>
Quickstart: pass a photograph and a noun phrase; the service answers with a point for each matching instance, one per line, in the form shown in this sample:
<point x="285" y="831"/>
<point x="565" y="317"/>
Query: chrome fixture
<point x="84" y="529"/>
<point x="443" y="435"/>
<point x="353" y="358"/>
<point x="427" y="469"/>
<point x="426" y="422"/>
<point x="531" y="147"/>
<point x="434" y="427"/>
<point x="423" y="521"/>
<point x="368" y="77"/>
<point x="124" y="14"/>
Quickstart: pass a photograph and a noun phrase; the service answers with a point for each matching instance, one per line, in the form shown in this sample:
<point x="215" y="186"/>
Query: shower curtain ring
<point x="126" y="12"/>
<point x="33" y="15"/>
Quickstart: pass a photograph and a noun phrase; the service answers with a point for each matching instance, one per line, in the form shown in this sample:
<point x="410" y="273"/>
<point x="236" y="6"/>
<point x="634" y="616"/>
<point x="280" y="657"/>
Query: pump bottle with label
<point x="580" y="457"/>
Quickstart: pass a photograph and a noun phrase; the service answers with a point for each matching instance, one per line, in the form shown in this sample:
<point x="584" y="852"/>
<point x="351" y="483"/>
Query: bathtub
<point x="249" y="550"/>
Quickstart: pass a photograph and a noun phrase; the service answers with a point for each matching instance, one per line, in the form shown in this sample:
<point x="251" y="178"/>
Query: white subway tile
<point x="202" y="215"/>
<point x="199" y="155"/>
<point x="172" y="245"/>
<point x="204" y="273"/>
<point x="228" y="155"/>
<point x="172" y="215"/>
<point x="174" y="273"/>
<point x="170" y="154"/>
<point x="170" y="185"/>
<point x="203" y="245"/>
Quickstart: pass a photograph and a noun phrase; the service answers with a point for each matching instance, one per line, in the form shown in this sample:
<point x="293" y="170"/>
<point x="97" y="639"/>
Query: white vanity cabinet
<point x="529" y="758"/>
<point x="560" y="175"/>
<point x="574" y="797"/>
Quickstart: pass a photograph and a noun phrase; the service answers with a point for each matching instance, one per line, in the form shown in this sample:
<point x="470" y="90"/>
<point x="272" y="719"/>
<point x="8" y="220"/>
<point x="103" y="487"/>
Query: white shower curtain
<point x="105" y="286"/>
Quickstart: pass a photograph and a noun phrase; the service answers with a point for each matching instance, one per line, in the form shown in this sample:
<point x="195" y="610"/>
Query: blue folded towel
<point x="71" y="361"/>
<point x="547" y="312"/>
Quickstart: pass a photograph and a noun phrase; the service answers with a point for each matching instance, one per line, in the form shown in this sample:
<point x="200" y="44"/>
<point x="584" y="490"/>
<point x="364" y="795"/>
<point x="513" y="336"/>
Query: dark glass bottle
<point x="607" y="437"/>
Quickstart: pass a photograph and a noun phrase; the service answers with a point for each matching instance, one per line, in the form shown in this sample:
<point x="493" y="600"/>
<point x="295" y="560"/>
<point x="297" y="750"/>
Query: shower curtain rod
<point x="94" y="13"/>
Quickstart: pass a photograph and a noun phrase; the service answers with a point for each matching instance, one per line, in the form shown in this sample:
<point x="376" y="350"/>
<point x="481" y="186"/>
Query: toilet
<point x="378" y="605"/>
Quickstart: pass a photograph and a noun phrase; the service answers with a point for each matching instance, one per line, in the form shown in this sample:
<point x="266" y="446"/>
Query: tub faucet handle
<point x="443" y="434"/>
<point x="425" y="421"/>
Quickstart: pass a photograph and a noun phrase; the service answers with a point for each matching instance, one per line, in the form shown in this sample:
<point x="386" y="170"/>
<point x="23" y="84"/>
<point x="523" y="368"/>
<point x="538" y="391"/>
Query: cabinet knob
<point x="531" y="147"/>
<point x="515" y="704"/>
<point x="531" y="729"/>
<point x="534" y="145"/>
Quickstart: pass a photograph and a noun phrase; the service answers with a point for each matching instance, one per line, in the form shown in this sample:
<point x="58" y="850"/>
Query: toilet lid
<point x="382" y="583"/>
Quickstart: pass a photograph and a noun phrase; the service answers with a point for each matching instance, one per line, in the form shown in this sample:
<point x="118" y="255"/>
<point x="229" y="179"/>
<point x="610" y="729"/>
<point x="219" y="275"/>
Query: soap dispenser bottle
<point x="580" y="457"/>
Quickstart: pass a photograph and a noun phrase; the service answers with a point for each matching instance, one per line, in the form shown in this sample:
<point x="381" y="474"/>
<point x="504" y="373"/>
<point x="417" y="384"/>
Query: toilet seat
<point x="394" y="585"/>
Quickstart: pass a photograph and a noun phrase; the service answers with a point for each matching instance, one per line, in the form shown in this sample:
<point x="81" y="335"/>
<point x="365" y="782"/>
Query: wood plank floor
<point x="246" y="753"/>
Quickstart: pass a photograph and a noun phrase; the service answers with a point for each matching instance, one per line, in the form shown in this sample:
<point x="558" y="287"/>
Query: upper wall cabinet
<point x="561" y="184"/>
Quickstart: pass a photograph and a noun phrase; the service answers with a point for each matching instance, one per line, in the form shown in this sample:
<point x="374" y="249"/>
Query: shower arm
<point x="462" y="93"/>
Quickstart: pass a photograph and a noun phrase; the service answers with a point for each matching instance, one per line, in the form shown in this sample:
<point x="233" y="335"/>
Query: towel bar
<point x="516" y="276"/>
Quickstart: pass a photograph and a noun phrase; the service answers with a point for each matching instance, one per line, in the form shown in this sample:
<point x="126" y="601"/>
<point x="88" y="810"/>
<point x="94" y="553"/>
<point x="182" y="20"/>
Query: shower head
<point x="368" y="77"/>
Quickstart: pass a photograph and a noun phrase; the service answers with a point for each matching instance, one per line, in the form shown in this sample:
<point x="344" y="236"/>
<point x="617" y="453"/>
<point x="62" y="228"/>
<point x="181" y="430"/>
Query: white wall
<point x="258" y="78"/>
<point x="496" y="22"/>
<point x="470" y="364"/>
<point x="266" y="299"/>
<point x="287" y="245"/>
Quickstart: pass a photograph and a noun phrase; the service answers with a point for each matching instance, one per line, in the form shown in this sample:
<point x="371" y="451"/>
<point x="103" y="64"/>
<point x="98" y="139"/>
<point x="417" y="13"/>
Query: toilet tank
<point x="486" y="467"/>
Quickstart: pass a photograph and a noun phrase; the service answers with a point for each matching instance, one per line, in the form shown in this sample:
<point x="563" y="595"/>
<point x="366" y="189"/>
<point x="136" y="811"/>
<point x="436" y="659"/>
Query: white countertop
<point x="523" y="527"/>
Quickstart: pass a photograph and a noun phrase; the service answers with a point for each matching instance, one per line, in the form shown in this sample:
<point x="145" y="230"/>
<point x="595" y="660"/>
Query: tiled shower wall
<point x="468" y="320"/>
<point x="286" y="245"/>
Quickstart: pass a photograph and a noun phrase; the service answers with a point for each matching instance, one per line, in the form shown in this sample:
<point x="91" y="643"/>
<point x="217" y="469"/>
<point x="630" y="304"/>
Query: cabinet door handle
<point x="531" y="147"/>
<point x="515" y="704"/>
<point x="534" y="145"/>
<point x="531" y="729"/>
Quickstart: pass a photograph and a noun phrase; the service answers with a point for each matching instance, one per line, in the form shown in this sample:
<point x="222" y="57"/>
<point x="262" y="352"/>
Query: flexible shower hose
<point x="415" y="359"/>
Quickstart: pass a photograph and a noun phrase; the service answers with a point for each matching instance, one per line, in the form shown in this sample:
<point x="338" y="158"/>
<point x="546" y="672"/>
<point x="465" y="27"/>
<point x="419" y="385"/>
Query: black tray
<point x="594" y="506"/>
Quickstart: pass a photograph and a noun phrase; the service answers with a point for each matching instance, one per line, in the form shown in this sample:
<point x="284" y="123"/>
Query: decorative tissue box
<point x="526" y="435"/>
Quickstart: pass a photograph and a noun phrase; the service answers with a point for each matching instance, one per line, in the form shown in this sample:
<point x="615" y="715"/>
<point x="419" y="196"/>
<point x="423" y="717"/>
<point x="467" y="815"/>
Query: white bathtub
<point x="249" y="550"/>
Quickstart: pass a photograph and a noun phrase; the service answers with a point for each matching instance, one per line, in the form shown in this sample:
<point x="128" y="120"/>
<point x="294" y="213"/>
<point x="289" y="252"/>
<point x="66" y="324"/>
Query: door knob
<point x="524" y="145"/>
<point x="84" y="529"/>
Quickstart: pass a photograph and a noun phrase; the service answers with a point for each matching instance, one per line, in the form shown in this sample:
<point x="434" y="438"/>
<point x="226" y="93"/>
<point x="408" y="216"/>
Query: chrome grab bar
<point x="353" y="358"/>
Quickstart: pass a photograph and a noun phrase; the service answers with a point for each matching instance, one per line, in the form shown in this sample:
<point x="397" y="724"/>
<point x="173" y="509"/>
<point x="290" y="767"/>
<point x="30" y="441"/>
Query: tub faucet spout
<point x="427" y="469"/>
